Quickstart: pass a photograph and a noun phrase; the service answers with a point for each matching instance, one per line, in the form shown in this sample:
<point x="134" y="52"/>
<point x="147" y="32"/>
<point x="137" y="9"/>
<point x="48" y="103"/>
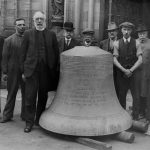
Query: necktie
<point x="67" y="42"/>
<point x="111" y="44"/>
<point x="127" y="42"/>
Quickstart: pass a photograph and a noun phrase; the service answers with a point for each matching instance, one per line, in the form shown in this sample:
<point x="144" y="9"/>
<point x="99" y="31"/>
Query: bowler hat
<point x="68" y="26"/>
<point x="126" y="24"/>
<point x="142" y="28"/>
<point x="88" y="31"/>
<point x="112" y="26"/>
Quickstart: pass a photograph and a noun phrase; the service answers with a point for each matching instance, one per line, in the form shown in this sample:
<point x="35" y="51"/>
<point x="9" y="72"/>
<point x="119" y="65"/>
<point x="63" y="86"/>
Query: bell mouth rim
<point x="82" y="127"/>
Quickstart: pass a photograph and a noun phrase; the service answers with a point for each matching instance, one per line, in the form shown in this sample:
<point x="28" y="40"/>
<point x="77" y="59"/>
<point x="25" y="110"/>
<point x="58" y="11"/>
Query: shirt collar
<point x="128" y="39"/>
<point x="40" y="29"/>
<point x="67" y="39"/>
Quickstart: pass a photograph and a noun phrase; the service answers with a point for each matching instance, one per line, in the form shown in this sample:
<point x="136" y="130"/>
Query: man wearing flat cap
<point x="142" y="31"/>
<point x="88" y="38"/>
<point x="127" y="58"/>
<point x="68" y="41"/>
<point x="107" y="44"/>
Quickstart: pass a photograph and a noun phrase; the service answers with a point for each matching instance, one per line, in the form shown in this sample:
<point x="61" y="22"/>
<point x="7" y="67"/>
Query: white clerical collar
<point x="128" y="39"/>
<point x="42" y="29"/>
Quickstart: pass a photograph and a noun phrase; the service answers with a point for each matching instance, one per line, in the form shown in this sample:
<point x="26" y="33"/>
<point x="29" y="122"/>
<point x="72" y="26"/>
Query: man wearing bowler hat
<point x="127" y="58"/>
<point x="68" y="41"/>
<point x="142" y="31"/>
<point x="107" y="44"/>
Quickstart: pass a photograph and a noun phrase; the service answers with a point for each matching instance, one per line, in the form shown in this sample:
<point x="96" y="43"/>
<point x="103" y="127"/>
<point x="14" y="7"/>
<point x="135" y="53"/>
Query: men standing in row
<point x="11" y="70"/>
<point x="128" y="57"/>
<point x="39" y="61"/>
<point x="145" y="71"/>
<point x="68" y="41"/>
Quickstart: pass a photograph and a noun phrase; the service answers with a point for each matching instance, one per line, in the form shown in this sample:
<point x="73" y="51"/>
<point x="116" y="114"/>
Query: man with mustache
<point x="11" y="70"/>
<point x="88" y="38"/>
<point x="39" y="62"/>
<point x="127" y="58"/>
<point x="68" y="41"/>
<point x="107" y="44"/>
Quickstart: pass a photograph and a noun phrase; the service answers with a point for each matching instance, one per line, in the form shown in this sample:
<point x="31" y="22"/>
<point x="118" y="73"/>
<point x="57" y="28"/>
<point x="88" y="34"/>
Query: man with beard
<point x="127" y="58"/>
<point x="39" y="62"/>
<point x="142" y="31"/>
<point x="11" y="70"/>
<point x="68" y="41"/>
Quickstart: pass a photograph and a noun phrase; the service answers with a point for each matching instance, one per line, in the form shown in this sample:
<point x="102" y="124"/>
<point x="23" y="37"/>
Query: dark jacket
<point x="63" y="47"/>
<point x="29" y="51"/>
<point x="105" y="45"/>
<point x="29" y="56"/>
<point x="11" y="54"/>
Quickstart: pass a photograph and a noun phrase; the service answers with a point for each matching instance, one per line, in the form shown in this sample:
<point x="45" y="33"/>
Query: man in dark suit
<point x="11" y="69"/>
<point x="127" y="58"/>
<point x="39" y="62"/>
<point x="107" y="44"/>
<point x="68" y="41"/>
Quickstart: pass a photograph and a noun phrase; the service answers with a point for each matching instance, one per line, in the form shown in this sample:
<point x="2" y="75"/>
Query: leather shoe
<point x="28" y="128"/>
<point x="5" y="120"/>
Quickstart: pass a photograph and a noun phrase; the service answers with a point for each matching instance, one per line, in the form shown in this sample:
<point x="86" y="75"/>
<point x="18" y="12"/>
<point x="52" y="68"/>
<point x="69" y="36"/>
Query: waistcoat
<point x="127" y="53"/>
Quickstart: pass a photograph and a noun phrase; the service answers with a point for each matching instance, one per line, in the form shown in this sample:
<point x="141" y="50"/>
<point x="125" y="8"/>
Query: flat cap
<point x="126" y="24"/>
<point x="88" y="31"/>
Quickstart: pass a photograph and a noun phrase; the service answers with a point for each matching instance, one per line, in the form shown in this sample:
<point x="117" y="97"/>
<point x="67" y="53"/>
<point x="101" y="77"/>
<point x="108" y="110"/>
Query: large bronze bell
<point x="85" y="103"/>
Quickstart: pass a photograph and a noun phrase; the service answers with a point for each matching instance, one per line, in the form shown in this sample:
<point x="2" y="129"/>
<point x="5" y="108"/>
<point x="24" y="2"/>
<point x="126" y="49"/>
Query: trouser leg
<point x="42" y="91"/>
<point x="135" y="91"/>
<point x="31" y="87"/>
<point x="122" y="84"/>
<point x="12" y="87"/>
<point x="41" y="105"/>
<point x="142" y="109"/>
<point x="148" y="103"/>
<point x="22" y="85"/>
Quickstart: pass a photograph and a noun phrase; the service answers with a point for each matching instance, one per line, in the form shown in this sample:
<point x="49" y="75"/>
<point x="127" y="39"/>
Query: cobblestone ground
<point x="12" y="136"/>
